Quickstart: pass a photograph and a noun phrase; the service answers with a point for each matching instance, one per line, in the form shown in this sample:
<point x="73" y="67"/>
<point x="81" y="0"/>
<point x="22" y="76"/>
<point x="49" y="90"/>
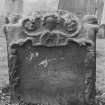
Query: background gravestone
<point x="80" y="7"/>
<point x="51" y="58"/>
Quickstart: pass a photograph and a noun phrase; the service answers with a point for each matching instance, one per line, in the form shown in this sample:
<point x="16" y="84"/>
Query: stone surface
<point x="52" y="59"/>
<point x="3" y="56"/>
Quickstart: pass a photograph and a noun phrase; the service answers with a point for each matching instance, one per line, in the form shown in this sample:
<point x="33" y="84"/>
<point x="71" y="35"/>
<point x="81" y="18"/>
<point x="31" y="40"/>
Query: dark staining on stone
<point x="90" y="77"/>
<point x="38" y="21"/>
<point x="49" y="39"/>
<point x="72" y="25"/>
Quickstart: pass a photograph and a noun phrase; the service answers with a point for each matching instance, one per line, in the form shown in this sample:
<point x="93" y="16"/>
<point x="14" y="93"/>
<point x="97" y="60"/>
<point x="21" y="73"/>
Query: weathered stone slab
<point x="52" y="59"/>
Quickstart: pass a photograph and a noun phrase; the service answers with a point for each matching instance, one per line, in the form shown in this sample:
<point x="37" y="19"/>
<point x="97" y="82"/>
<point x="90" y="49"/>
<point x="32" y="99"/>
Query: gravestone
<point x="51" y="58"/>
<point x="80" y="7"/>
<point x="12" y="7"/>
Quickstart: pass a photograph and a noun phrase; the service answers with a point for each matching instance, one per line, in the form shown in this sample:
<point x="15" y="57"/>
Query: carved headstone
<point x="51" y="58"/>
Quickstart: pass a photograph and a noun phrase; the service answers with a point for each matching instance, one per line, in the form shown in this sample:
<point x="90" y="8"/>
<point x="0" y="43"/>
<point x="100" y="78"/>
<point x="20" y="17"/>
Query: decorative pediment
<point x="53" y="28"/>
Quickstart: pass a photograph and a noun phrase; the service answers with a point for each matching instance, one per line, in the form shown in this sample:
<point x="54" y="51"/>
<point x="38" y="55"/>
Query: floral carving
<point x="29" y="25"/>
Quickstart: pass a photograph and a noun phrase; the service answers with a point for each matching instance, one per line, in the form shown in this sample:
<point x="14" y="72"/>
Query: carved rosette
<point x="50" y="29"/>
